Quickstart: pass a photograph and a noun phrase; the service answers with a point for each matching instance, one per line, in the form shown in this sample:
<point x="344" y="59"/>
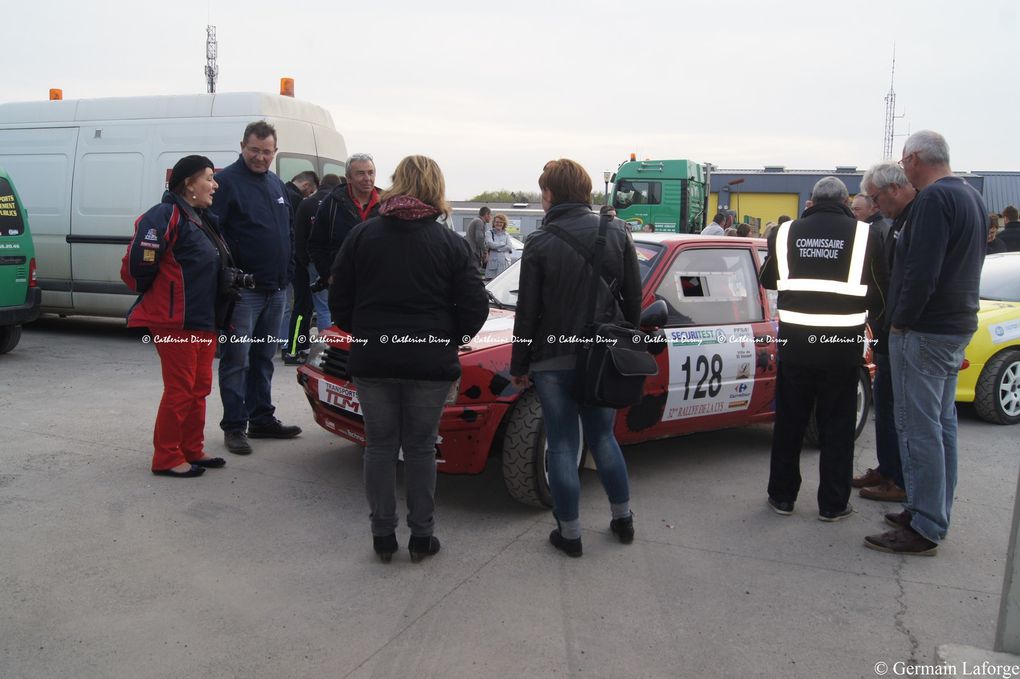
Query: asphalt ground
<point x="265" y="568"/>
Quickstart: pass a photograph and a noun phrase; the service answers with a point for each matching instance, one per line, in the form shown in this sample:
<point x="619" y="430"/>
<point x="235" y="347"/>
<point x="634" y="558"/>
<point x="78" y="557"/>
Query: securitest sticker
<point x="711" y="371"/>
<point x="1006" y="331"/>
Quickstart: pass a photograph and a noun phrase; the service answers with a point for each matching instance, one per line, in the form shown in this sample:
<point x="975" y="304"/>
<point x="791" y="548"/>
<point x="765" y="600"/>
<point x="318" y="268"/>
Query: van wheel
<point x="9" y="337"/>
<point x="863" y="409"/>
<point x="997" y="394"/>
<point x="525" y="474"/>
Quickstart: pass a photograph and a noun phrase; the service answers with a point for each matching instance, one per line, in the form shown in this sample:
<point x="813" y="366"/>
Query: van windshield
<point x="11" y="222"/>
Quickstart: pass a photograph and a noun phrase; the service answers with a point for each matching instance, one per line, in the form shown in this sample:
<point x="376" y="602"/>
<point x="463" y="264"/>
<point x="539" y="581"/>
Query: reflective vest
<point x="846" y="283"/>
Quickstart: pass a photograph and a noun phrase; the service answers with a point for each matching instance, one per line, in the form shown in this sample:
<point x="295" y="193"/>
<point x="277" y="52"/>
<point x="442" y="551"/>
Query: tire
<point x="997" y="394"/>
<point x="9" y="337"/>
<point x="863" y="409"/>
<point x="524" y="453"/>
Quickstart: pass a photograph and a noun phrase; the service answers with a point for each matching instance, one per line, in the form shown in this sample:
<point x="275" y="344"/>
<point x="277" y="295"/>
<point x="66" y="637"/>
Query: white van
<point x="85" y="170"/>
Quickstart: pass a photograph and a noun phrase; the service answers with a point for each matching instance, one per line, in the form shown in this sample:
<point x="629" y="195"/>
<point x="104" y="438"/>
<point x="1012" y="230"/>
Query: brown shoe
<point x="868" y="479"/>
<point x="904" y="541"/>
<point x="899" y="519"/>
<point x="886" y="492"/>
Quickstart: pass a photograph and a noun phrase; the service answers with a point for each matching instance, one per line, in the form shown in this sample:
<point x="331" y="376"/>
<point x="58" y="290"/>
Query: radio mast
<point x="212" y="71"/>
<point x="890" y="113"/>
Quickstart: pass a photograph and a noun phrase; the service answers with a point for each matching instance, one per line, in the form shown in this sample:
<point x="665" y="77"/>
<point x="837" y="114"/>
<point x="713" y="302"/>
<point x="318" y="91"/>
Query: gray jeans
<point x="401" y="414"/>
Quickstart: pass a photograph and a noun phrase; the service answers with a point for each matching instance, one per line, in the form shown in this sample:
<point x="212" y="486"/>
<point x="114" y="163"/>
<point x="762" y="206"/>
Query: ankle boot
<point x="423" y="546"/>
<point x="385" y="546"/>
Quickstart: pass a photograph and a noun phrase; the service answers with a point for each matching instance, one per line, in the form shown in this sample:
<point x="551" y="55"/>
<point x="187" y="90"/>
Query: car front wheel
<point x="997" y="394"/>
<point x="525" y="468"/>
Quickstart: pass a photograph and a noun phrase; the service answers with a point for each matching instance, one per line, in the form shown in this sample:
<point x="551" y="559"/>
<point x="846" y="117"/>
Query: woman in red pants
<point x="176" y="261"/>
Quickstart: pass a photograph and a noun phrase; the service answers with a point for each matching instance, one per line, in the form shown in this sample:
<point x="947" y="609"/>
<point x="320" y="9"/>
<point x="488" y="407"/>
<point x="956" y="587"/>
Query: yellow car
<point x="990" y="378"/>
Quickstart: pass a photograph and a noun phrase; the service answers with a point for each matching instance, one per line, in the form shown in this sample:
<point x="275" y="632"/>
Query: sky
<point x="494" y="90"/>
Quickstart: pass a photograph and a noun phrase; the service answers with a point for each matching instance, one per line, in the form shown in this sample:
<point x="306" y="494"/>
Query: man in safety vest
<point x="829" y="270"/>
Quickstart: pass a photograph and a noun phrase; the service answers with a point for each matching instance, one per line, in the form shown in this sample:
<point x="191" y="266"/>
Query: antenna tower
<point x="212" y="71"/>
<point x="890" y="113"/>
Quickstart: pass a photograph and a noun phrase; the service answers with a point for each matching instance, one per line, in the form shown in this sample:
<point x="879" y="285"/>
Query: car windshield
<point x="1000" y="278"/>
<point x="503" y="288"/>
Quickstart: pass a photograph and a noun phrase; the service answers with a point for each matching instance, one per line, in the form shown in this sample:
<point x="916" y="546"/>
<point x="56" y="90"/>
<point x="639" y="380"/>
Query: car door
<point x="720" y="343"/>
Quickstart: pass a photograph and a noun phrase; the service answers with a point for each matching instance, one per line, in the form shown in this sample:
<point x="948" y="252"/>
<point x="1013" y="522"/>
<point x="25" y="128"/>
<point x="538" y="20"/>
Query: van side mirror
<point x="655" y="314"/>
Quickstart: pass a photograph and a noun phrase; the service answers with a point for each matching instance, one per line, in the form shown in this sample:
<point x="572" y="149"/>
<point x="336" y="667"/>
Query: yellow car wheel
<point x="997" y="394"/>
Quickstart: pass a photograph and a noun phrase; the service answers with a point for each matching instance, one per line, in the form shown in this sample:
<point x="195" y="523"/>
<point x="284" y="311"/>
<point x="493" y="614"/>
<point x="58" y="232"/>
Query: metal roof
<point x="1001" y="189"/>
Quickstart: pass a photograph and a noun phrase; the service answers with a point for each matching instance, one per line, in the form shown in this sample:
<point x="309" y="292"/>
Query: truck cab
<point x="671" y="195"/>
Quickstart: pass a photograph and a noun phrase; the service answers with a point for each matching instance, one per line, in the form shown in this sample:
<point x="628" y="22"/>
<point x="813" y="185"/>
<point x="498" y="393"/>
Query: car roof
<point x="666" y="238"/>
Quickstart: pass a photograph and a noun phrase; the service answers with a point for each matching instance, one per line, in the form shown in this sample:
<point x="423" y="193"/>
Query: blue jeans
<point x="401" y="414"/>
<point x="320" y="300"/>
<point x="246" y="359"/>
<point x="563" y="438"/>
<point x="924" y="370"/>
<point x="887" y="442"/>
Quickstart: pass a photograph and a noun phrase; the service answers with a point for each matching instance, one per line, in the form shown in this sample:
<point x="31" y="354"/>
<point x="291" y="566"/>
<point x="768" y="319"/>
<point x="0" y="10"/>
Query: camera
<point x="231" y="278"/>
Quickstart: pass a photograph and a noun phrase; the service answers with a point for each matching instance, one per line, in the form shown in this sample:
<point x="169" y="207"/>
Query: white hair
<point x="881" y="175"/>
<point x="829" y="190"/>
<point x="931" y="147"/>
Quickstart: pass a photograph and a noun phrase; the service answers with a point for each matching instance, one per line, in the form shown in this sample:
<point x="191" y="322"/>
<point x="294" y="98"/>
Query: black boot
<point x="568" y="547"/>
<point x="421" y="547"/>
<point x="385" y="546"/>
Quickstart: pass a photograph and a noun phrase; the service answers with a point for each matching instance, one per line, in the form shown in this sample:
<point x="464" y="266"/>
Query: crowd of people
<point x="217" y="256"/>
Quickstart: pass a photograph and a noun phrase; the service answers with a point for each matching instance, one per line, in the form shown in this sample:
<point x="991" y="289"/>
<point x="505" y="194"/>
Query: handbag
<point x="613" y="361"/>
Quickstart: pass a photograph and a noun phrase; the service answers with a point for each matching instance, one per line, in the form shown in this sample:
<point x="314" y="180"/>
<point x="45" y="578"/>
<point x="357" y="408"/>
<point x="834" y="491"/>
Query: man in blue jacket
<point x="933" y="298"/>
<point x="255" y="216"/>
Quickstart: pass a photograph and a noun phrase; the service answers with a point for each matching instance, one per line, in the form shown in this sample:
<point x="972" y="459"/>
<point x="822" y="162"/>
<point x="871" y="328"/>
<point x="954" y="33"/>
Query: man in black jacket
<point x="304" y="298"/>
<point x="346" y="206"/>
<point x="829" y="270"/>
<point x="551" y="306"/>
<point x="887" y="187"/>
<point x="256" y="217"/>
<point x="1010" y="234"/>
<point x="933" y="298"/>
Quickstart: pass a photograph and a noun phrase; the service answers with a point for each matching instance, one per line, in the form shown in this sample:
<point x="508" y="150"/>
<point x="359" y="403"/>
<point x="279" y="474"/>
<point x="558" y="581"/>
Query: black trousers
<point x="831" y="391"/>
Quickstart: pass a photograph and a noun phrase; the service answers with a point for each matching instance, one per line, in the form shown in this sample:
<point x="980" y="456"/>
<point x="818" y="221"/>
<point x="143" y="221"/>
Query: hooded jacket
<point x="414" y="282"/>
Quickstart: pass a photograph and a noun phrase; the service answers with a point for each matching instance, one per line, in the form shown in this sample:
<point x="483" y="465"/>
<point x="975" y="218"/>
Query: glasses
<point x="902" y="160"/>
<point x="259" y="153"/>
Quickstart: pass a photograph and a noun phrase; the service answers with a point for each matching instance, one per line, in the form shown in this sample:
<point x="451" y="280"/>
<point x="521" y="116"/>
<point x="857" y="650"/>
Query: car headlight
<point x="316" y="355"/>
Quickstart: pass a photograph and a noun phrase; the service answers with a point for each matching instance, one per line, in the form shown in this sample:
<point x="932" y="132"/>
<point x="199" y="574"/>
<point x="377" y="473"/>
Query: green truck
<point x="671" y="195"/>
<point x="19" y="290"/>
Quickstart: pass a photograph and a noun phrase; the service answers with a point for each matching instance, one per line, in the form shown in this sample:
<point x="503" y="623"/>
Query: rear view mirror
<point x="655" y="315"/>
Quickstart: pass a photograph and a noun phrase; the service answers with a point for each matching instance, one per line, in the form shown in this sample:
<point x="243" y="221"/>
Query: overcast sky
<point x="493" y="90"/>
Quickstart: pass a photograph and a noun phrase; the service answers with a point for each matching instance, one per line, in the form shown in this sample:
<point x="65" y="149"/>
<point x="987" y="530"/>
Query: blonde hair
<point x="502" y="217"/>
<point x="419" y="177"/>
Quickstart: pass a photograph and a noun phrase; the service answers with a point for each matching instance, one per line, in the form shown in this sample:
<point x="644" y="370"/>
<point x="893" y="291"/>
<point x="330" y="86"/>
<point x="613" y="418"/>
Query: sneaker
<point x="568" y="547"/>
<point x="837" y="515"/>
<point x="781" y="508"/>
<point x="904" y="541"/>
<point x="899" y="519"/>
<point x="623" y="529"/>
<point x="273" y="430"/>
<point x="868" y="479"/>
<point x="887" y="491"/>
<point x="293" y="359"/>
<point x="236" y="442"/>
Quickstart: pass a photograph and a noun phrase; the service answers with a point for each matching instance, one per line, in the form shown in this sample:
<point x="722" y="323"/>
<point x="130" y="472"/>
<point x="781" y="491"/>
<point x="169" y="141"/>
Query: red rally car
<point x="717" y="370"/>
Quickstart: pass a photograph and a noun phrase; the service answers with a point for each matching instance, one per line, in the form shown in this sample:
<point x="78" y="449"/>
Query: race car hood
<point x="498" y="329"/>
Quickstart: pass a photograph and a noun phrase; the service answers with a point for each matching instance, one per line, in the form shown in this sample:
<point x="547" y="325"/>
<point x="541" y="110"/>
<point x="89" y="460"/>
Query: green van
<point x="19" y="292"/>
